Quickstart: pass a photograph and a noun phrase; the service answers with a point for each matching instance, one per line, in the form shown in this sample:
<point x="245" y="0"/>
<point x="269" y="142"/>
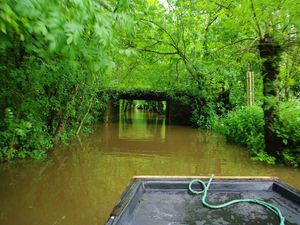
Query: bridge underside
<point x="138" y="94"/>
<point x="178" y="109"/>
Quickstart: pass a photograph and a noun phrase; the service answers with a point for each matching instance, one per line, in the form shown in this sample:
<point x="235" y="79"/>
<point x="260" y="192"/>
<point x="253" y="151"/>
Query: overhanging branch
<point x="157" y="52"/>
<point x="162" y="28"/>
<point x="256" y="20"/>
<point x="236" y="42"/>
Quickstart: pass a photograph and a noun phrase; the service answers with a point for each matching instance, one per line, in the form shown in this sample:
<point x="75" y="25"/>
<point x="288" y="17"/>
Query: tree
<point x="273" y="26"/>
<point x="55" y="56"/>
<point x="210" y="36"/>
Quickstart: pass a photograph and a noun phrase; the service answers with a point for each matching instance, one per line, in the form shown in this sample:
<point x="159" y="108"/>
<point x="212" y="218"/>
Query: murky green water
<point x="80" y="184"/>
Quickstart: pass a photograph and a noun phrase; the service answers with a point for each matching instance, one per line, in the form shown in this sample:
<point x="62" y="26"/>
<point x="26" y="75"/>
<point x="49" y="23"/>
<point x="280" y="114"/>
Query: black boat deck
<point x="166" y="201"/>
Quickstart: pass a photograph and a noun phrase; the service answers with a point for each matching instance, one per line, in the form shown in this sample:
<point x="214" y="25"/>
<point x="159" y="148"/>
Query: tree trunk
<point x="270" y="53"/>
<point x="64" y="116"/>
<point x="84" y="117"/>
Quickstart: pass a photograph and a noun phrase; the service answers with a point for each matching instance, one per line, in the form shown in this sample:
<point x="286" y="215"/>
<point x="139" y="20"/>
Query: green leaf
<point x="70" y="39"/>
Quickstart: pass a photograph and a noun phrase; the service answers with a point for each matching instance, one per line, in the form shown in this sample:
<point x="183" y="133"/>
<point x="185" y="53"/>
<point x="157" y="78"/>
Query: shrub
<point x="205" y="116"/>
<point x="245" y="126"/>
<point x="20" y="138"/>
<point x="287" y="124"/>
<point x="287" y="128"/>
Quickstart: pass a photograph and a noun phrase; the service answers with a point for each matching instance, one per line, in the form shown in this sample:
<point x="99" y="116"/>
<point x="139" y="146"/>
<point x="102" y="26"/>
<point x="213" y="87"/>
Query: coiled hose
<point x="269" y="206"/>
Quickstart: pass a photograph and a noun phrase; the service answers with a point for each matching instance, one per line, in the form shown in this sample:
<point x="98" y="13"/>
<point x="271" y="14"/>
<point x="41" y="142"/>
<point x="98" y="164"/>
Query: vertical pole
<point x="250" y="87"/>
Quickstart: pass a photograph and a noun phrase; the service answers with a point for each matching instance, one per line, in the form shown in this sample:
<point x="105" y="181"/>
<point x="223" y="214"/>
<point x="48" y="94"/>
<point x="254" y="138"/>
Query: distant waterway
<point x="79" y="184"/>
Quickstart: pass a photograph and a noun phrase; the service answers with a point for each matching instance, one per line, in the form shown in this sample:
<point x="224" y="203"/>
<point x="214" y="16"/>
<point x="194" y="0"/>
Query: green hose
<point x="269" y="206"/>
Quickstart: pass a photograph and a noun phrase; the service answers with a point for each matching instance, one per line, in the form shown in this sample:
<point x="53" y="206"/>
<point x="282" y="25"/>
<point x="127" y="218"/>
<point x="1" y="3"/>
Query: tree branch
<point x="223" y="6"/>
<point x="256" y="21"/>
<point x="149" y="46"/>
<point x="177" y="72"/>
<point x="211" y="22"/>
<point x="106" y="5"/>
<point x="158" y="52"/>
<point x="162" y="28"/>
<point x="236" y="42"/>
<point x="117" y="6"/>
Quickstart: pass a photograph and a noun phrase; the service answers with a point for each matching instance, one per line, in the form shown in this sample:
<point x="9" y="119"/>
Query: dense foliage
<point x="56" y="55"/>
<point x="54" y="58"/>
<point x="209" y="46"/>
<point x="245" y="126"/>
<point x="287" y="126"/>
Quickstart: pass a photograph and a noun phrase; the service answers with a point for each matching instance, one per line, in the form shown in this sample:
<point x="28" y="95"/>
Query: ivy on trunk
<point x="270" y="53"/>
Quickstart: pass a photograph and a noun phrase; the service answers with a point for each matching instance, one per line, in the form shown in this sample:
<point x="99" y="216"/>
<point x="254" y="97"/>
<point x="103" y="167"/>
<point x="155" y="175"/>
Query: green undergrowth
<point x="287" y="128"/>
<point x="245" y="126"/>
<point x="21" y="138"/>
<point x="44" y="111"/>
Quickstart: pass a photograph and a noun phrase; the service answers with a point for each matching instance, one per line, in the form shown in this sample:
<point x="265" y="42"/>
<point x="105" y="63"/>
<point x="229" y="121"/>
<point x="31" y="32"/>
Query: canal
<point x="80" y="183"/>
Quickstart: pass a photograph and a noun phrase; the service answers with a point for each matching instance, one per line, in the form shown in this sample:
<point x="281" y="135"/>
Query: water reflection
<point x="140" y="125"/>
<point x="79" y="184"/>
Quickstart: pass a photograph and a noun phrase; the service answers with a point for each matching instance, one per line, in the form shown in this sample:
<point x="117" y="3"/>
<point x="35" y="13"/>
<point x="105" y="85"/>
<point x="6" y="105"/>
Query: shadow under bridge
<point x="178" y="104"/>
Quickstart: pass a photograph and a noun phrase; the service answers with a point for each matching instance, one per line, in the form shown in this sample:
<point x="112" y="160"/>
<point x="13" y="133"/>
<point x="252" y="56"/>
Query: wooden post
<point x="250" y="87"/>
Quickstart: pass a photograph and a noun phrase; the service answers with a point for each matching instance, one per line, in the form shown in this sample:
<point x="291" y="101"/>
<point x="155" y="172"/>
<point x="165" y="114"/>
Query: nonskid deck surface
<point x="170" y="203"/>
